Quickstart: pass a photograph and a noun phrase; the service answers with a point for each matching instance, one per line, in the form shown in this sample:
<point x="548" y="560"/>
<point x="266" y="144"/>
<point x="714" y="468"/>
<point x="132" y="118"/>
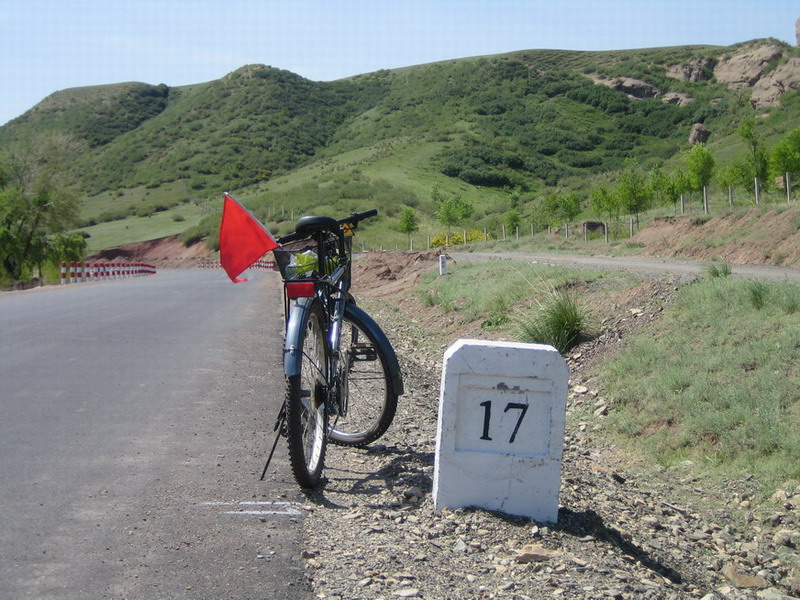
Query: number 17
<point x="487" y="416"/>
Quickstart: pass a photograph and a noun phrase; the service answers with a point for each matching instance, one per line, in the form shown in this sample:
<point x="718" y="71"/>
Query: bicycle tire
<point x="306" y="414"/>
<point x="366" y="386"/>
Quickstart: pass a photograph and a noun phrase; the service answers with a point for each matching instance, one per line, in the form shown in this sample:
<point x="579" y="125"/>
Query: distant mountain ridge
<point x="521" y="120"/>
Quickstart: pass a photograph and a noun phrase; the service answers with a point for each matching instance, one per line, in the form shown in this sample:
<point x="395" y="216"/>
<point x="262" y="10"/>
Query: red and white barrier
<point x="266" y="265"/>
<point x="80" y="272"/>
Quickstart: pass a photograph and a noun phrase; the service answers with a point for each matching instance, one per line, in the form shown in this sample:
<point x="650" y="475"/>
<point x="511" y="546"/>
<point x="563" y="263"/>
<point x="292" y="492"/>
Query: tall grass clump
<point x="560" y="321"/>
<point x="504" y="287"/>
<point x="715" y="382"/>
<point x="719" y="268"/>
<point x="757" y="294"/>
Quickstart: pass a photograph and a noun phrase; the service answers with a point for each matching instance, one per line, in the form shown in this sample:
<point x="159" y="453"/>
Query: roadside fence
<point x="80" y="272"/>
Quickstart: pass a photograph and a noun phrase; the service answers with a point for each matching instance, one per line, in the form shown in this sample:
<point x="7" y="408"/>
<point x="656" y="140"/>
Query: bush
<point x="474" y="236"/>
<point x="561" y="323"/>
<point x="442" y="240"/>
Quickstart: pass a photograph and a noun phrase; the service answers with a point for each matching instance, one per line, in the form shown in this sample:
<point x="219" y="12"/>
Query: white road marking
<point x="265" y="508"/>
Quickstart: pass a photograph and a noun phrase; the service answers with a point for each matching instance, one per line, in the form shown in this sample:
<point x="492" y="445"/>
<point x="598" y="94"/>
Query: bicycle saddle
<point x="308" y="226"/>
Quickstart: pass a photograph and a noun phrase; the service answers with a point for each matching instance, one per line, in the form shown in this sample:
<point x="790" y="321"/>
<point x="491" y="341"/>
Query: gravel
<point x="626" y="529"/>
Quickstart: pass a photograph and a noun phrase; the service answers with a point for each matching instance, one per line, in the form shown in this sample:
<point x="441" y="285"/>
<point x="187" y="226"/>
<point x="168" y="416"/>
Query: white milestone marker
<point x="500" y="435"/>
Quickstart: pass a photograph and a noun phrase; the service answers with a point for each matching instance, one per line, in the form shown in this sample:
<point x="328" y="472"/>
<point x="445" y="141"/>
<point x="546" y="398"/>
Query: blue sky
<point x="50" y="45"/>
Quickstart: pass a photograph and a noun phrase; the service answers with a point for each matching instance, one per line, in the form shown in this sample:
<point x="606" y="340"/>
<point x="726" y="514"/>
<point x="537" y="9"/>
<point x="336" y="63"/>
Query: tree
<point x="453" y="211"/>
<point x="36" y="208"/>
<point x="700" y="165"/>
<point x="513" y="220"/>
<point x="785" y="156"/>
<point x="667" y="189"/>
<point x="604" y="203"/>
<point x="558" y="209"/>
<point x="756" y="162"/>
<point x="633" y="193"/>
<point x="408" y="222"/>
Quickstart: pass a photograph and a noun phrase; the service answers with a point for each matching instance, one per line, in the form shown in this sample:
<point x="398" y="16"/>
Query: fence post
<point x="517" y="232"/>
<point x="788" y="188"/>
<point x="758" y="191"/>
<point x="63" y="272"/>
<point x="605" y="229"/>
<point x="705" y="200"/>
<point x="683" y="205"/>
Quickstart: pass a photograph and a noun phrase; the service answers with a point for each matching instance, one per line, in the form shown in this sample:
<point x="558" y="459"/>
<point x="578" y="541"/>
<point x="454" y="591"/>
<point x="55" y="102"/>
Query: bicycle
<point x="342" y="376"/>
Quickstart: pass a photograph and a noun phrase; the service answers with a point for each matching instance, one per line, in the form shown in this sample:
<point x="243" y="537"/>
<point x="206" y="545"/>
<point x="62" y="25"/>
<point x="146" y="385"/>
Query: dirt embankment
<point x="752" y="237"/>
<point x="167" y="252"/>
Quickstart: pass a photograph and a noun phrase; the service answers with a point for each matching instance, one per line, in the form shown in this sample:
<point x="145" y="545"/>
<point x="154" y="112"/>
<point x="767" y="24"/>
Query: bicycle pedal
<point x="363" y="352"/>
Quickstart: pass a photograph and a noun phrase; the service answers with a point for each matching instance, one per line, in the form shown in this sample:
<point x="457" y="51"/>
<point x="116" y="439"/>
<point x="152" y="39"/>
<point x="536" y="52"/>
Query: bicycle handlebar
<point x="353" y="219"/>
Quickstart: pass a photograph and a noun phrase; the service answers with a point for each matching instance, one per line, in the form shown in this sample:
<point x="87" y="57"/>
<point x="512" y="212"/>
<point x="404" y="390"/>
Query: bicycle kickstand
<point x="278" y="426"/>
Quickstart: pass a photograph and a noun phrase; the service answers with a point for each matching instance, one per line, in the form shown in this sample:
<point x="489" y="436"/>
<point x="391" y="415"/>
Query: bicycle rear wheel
<point x="367" y="400"/>
<point x="306" y="417"/>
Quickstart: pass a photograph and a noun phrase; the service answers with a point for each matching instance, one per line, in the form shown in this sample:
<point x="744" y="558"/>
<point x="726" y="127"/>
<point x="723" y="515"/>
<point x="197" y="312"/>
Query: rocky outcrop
<point x="751" y="69"/>
<point x="700" y="69"/>
<point x="634" y="88"/>
<point x="797" y="32"/>
<point x="677" y="98"/>
<point x="743" y="70"/>
<point x="699" y="134"/>
<point x="768" y="90"/>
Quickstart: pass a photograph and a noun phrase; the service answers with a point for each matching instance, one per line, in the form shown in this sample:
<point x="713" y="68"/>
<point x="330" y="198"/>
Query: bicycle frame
<point x="297" y="320"/>
<point x="331" y="291"/>
<point x="333" y="288"/>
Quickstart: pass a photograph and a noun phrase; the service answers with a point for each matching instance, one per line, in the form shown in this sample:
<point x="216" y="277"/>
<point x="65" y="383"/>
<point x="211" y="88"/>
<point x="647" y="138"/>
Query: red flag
<point x="242" y="239"/>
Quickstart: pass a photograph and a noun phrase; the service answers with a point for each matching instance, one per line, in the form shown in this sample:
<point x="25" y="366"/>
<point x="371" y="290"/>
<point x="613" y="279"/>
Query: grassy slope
<point x="263" y="124"/>
<point x="141" y="229"/>
<point x="715" y="382"/>
<point x="712" y="381"/>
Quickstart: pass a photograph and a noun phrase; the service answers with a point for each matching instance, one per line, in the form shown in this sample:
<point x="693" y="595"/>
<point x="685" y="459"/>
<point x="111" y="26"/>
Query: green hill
<point x="501" y="131"/>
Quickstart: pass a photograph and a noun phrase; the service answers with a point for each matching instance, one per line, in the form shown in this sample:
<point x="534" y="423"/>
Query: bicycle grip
<point x="289" y="237"/>
<point x="359" y="216"/>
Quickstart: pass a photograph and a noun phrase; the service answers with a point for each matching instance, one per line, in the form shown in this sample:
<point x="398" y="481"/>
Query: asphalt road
<point x="135" y="418"/>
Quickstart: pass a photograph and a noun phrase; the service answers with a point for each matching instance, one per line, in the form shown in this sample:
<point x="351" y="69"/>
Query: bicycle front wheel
<point x="367" y="402"/>
<point x="306" y="417"/>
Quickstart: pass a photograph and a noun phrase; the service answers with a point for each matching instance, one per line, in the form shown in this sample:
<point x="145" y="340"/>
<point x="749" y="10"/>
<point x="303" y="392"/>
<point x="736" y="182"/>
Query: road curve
<point x="135" y="417"/>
